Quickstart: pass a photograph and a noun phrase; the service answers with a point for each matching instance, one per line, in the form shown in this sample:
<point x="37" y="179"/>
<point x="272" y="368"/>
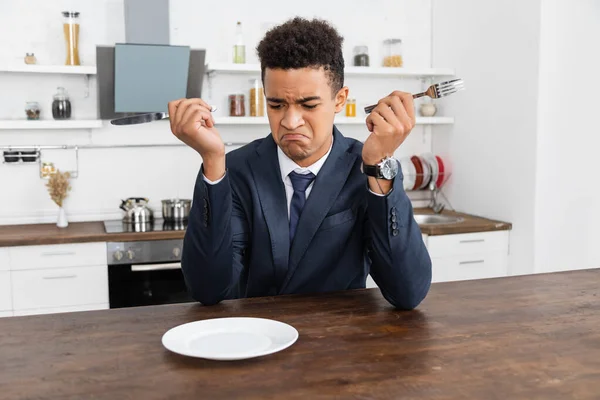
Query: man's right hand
<point x="193" y="124"/>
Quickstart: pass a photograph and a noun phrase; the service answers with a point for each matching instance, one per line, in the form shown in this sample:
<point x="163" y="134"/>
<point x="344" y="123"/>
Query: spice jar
<point x="32" y="110"/>
<point x="257" y="99"/>
<point x="30" y="58"/>
<point x="61" y="106"/>
<point x="351" y="108"/>
<point x="361" y="56"/>
<point x="71" y="33"/>
<point x="237" y="107"/>
<point x="392" y="53"/>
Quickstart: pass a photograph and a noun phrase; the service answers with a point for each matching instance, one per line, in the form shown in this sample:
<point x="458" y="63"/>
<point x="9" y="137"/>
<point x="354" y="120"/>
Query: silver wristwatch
<point x="386" y="169"/>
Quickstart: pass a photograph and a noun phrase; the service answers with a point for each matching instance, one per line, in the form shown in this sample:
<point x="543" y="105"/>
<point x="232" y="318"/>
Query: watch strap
<point x="372" y="170"/>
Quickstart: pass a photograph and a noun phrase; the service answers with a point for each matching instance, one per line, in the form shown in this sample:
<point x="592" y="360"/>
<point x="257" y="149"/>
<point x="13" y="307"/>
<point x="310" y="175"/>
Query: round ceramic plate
<point x="432" y="161"/>
<point x="409" y="172"/>
<point x="230" y="338"/>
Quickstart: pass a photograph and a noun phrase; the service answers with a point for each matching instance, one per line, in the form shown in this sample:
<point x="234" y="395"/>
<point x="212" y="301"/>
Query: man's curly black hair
<point x="300" y="43"/>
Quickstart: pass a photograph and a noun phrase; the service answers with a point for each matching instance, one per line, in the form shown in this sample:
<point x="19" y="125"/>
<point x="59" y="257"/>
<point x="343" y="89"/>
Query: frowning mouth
<point x="293" y="136"/>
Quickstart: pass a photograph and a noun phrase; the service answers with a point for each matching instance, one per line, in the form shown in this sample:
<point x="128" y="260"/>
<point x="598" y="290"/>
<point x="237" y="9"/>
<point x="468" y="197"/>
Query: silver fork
<point x="434" y="91"/>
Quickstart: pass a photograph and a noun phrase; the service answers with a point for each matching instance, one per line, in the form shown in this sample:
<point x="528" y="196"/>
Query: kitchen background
<point x="522" y="145"/>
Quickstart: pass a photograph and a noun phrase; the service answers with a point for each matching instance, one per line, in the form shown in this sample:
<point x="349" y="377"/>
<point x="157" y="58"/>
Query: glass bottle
<point x="61" y="106"/>
<point x="257" y="99"/>
<point x="239" y="49"/>
<point x="361" y="56"/>
<point x="351" y="108"/>
<point x="392" y="52"/>
<point x="71" y="32"/>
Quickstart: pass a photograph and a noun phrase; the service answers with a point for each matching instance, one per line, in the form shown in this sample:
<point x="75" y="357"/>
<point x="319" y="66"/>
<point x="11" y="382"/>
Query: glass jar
<point x="32" y="110"/>
<point x="61" y="106"/>
<point x="237" y="108"/>
<point x="392" y="53"/>
<point x="257" y="99"/>
<point x="30" y="58"/>
<point x="351" y="108"/>
<point x="71" y="33"/>
<point x="361" y="56"/>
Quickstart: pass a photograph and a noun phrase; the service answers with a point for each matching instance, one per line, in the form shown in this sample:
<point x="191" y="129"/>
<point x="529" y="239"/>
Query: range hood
<point x="146" y="72"/>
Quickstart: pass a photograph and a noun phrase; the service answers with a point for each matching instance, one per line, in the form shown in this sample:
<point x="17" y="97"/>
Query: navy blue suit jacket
<point x="237" y="242"/>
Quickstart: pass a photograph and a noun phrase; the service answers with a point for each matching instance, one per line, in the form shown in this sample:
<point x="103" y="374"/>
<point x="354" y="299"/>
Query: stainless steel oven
<point x="146" y="272"/>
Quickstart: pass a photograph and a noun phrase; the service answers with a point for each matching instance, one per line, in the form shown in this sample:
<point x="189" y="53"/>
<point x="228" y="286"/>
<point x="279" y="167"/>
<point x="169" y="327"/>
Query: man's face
<point x="301" y="109"/>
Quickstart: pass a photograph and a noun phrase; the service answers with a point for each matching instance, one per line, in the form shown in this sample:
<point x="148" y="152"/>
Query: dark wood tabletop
<point x="527" y="337"/>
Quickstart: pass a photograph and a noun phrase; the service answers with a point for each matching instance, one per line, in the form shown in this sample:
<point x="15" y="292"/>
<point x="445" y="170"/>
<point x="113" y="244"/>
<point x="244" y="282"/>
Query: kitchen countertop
<point x="471" y="224"/>
<point x="521" y="337"/>
<point x="80" y="232"/>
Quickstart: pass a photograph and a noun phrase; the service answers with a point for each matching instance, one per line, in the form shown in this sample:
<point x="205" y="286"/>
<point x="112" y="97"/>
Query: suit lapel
<point x="271" y="192"/>
<point x="327" y="186"/>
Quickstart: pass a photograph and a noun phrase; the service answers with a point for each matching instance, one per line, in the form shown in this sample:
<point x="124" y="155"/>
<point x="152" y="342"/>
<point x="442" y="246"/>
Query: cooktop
<point x="119" y="226"/>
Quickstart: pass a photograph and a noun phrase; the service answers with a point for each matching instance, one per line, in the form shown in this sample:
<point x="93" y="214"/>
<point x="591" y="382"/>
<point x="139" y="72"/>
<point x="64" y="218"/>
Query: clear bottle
<point x="71" y="32"/>
<point x="239" y="49"/>
<point x="257" y="99"/>
<point x="351" y="108"/>
<point x="61" y="106"/>
<point x="32" y="110"/>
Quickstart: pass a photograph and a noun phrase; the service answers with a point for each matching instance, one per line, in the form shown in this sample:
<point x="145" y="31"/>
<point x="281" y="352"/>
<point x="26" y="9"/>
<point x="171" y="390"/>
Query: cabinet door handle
<point x="471" y="262"/>
<point x="58" y="253"/>
<point x="473" y="241"/>
<point x="60" y="277"/>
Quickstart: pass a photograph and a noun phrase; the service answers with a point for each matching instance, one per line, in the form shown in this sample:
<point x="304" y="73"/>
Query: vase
<point x="62" y="218"/>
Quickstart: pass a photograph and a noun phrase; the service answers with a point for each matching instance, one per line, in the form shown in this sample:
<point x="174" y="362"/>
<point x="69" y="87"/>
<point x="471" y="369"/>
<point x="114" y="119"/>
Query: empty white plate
<point x="230" y="338"/>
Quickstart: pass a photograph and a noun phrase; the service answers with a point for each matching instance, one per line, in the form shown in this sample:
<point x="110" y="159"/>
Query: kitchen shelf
<point x="337" y="121"/>
<point x="50" y="69"/>
<point x="225" y="68"/>
<point x="51" y="124"/>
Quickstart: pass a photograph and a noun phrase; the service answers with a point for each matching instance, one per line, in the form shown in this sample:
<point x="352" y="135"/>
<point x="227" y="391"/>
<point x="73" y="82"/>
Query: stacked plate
<point x="421" y="170"/>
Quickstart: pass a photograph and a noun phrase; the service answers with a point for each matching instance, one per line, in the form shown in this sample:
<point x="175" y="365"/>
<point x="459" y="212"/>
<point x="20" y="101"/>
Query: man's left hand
<point x="390" y="123"/>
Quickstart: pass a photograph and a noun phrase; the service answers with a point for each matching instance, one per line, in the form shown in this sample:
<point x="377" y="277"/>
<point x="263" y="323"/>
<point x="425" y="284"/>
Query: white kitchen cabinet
<point x="469" y="256"/>
<point x="57" y="256"/>
<point x="59" y="287"/>
<point x="5" y="292"/>
<point x="6" y="314"/>
<point x="4" y="260"/>
<point x="56" y="310"/>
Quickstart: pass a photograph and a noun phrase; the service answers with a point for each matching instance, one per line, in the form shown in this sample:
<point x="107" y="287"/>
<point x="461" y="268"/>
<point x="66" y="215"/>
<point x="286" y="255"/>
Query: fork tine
<point x="441" y="89"/>
<point x="448" y="82"/>
<point x="451" y="91"/>
<point x="452" y="84"/>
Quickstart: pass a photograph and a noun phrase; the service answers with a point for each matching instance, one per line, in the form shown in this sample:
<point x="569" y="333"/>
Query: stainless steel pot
<point x="136" y="210"/>
<point x="176" y="209"/>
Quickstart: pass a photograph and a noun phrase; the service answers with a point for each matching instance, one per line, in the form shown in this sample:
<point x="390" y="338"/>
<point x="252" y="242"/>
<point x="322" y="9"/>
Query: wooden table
<point x="529" y="337"/>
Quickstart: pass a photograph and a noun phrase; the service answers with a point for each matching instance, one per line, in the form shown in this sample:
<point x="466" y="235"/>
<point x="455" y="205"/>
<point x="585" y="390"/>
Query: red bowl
<point x="419" y="167"/>
<point x="441" y="177"/>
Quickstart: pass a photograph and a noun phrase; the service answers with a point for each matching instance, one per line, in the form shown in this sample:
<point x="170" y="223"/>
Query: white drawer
<point x="5" y="292"/>
<point x="57" y="256"/>
<point x="4" y="260"/>
<point x="370" y="283"/>
<point x="467" y="243"/>
<point x="59" y="287"/>
<point x="54" y="310"/>
<point x="6" y="314"/>
<point x="462" y="268"/>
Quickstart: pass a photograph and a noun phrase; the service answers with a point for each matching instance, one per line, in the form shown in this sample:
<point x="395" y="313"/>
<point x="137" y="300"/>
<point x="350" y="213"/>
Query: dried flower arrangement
<point x="59" y="187"/>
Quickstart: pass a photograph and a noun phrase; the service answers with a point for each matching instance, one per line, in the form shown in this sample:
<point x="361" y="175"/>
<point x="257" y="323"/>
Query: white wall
<point x="106" y="176"/>
<point x="493" y="47"/>
<point x="567" y="211"/>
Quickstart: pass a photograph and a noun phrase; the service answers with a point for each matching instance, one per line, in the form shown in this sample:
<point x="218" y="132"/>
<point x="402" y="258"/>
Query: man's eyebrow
<point x="298" y="101"/>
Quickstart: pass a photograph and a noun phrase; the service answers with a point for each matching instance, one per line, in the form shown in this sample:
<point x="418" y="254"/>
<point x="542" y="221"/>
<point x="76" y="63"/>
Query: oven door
<point x="146" y="284"/>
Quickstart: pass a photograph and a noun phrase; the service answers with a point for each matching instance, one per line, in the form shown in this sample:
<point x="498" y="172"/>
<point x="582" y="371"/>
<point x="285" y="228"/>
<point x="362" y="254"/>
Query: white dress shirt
<point x="287" y="165"/>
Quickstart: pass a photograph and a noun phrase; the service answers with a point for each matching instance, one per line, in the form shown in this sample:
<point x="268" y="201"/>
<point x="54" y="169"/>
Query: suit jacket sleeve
<point x="213" y="249"/>
<point x="400" y="262"/>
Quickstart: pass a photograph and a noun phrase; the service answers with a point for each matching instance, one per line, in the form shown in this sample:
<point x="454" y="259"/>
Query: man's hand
<point x="193" y="124"/>
<point x="390" y="123"/>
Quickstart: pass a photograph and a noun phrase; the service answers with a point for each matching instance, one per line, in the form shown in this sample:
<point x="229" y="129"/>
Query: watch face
<point x="389" y="168"/>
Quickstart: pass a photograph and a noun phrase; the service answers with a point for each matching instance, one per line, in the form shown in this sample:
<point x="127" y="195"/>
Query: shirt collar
<point x="287" y="165"/>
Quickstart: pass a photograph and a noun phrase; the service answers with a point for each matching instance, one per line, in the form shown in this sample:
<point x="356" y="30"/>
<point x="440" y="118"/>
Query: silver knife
<point x="144" y="118"/>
